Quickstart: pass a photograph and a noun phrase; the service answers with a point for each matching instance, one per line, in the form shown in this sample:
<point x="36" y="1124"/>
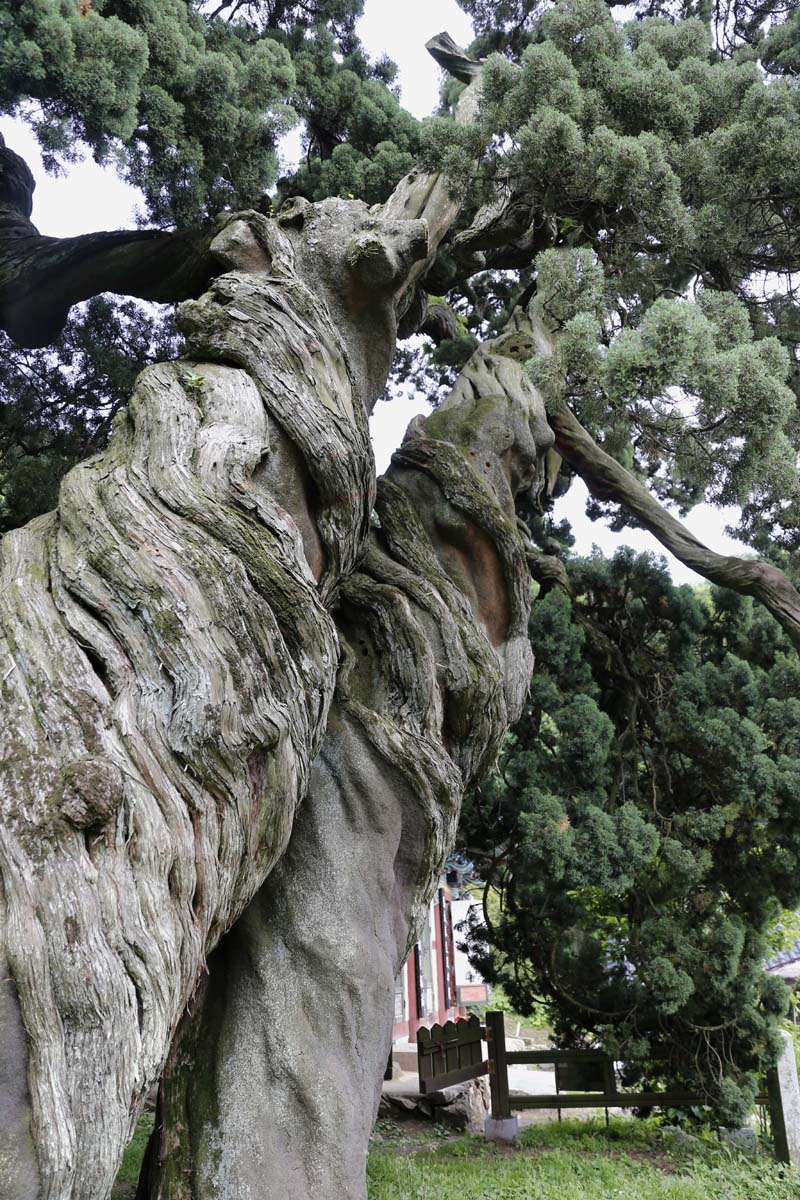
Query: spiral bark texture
<point x="273" y="1080"/>
<point x="167" y="663"/>
<point x="170" y="644"/>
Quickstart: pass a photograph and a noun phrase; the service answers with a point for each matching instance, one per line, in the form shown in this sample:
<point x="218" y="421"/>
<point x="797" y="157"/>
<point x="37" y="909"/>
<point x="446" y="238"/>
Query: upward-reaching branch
<point x="432" y="196"/>
<point x="453" y="59"/>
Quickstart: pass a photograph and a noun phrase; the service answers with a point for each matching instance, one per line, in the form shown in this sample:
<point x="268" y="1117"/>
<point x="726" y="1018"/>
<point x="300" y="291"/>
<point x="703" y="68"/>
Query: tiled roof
<point x="784" y="957"/>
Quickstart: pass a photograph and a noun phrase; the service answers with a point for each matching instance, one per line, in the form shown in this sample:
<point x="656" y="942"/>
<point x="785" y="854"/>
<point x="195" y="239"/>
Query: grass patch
<point x="576" y="1160"/>
<point x="632" y="1160"/>
<point x="128" y="1174"/>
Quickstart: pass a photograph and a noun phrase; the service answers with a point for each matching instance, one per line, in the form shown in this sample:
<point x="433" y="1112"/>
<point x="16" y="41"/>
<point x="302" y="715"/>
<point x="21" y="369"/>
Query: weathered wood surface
<point x="273" y="1082"/>
<point x="183" y="588"/>
<point x="171" y="640"/>
<point x="167" y="665"/>
<point x="450" y="1053"/>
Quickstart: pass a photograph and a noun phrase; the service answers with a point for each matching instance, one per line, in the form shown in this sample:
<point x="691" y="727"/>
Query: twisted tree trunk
<point x="167" y="665"/>
<point x="273" y="1083"/>
<point x="168" y="658"/>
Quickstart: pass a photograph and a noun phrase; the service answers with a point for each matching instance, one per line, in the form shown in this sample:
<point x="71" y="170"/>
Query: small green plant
<point x="193" y="383"/>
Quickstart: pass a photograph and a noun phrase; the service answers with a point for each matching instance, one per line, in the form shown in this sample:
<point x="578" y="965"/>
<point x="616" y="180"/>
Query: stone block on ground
<point x="463" y="1106"/>
<point x="784" y="1103"/>
<point x="501" y="1130"/>
<point x="742" y="1137"/>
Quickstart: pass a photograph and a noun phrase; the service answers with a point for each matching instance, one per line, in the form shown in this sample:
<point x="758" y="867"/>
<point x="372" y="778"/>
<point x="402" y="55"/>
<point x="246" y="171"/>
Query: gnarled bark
<point x="168" y="659"/>
<point x="167" y="665"/>
<point x="273" y="1082"/>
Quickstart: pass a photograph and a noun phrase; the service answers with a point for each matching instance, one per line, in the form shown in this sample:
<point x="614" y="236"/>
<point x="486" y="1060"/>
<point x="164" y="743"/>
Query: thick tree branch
<point x="452" y="58"/>
<point x="42" y="277"/>
<point x="607" y="480"/>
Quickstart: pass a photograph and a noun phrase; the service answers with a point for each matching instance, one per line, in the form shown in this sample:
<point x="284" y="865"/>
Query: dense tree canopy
<point x="644" y="827"/>
<point x="188" y="99"/>
<point x="674" y="171"/>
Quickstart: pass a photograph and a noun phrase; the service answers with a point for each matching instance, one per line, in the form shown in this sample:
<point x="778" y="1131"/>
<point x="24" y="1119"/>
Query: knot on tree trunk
<point x="93" y="791"/>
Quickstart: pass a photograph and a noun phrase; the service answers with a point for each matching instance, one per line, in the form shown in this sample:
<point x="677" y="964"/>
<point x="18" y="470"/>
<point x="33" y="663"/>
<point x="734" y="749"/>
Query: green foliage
<point x="189" y="100"/>
<point x="190" y="107"/>
<point x="661" y="153"/>
<point x="359" y="141"/>
<point x="644" y="827"/>
<point x="689" y="382"/>
<point x="57" y="404"/>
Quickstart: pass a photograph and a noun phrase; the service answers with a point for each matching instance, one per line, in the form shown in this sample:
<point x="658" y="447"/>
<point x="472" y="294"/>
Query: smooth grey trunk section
<point x="296" y="1017"/>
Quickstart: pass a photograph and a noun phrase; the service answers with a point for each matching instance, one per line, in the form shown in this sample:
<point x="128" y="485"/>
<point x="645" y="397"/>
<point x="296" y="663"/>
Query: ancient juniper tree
<point x="212" y="604"/>
<point x="243" y="687"/>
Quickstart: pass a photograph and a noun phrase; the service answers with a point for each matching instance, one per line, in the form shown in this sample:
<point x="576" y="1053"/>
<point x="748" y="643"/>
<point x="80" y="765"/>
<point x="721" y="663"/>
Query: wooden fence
<point x="452" y="1053"/>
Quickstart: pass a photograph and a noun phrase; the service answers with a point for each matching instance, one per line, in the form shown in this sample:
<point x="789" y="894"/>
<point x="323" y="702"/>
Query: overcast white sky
<point x="91" y="198"/>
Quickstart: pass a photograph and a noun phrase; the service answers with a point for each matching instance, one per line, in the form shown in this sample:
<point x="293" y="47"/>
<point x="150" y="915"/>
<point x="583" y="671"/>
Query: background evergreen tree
<point x="643" y="830"/>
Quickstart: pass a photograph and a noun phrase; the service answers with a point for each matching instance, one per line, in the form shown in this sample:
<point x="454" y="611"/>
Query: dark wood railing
<point x="453" y="1053"/>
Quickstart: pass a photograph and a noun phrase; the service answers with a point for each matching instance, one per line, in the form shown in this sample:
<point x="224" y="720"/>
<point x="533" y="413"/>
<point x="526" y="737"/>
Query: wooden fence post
<point x="501" y="1126"/>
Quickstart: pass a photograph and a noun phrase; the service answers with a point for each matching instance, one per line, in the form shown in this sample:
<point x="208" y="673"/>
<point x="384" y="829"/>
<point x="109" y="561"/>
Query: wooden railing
<point x="453" y="1053"/>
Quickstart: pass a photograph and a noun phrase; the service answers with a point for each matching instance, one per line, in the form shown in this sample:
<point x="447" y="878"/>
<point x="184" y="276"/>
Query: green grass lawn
<point x="577" y="1160"/>
<point x="632" y="1160"/>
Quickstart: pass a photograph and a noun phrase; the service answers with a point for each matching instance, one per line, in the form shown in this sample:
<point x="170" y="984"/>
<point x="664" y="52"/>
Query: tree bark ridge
<point x="167" y="664"/>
